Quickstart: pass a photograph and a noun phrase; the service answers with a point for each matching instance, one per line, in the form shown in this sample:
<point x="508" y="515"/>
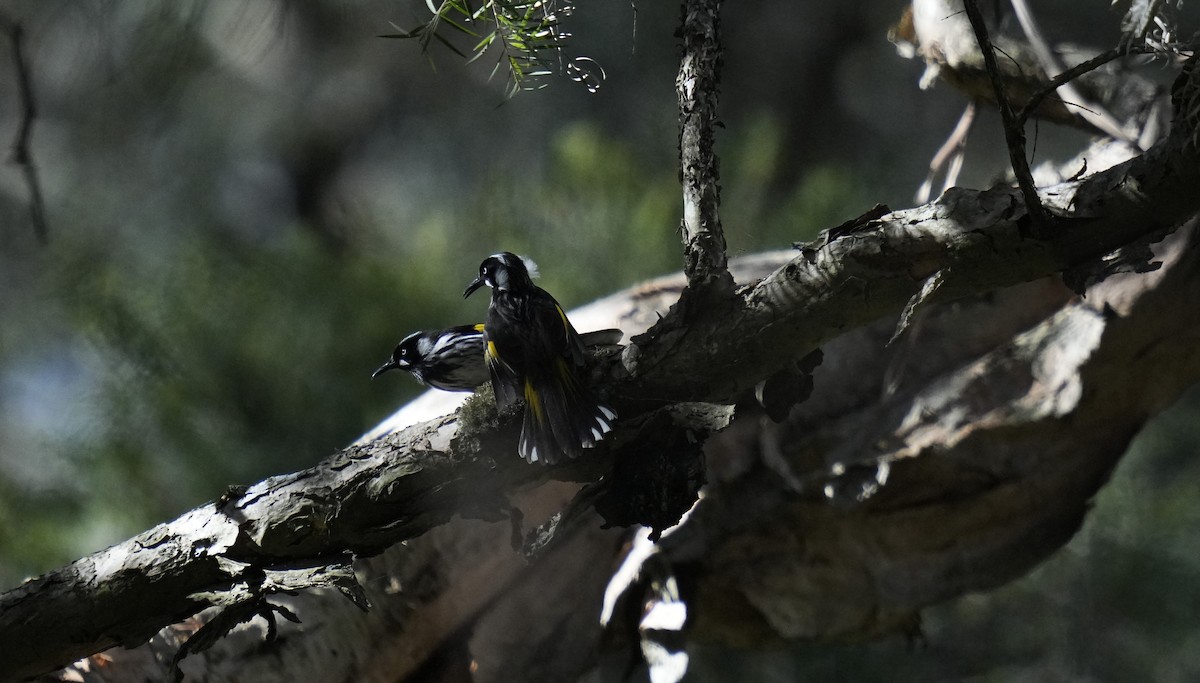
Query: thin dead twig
<point x="21" y="155"/>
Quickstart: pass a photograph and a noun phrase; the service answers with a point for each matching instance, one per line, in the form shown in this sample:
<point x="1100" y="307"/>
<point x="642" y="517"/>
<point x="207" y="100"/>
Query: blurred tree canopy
<point x="249" y="203"/>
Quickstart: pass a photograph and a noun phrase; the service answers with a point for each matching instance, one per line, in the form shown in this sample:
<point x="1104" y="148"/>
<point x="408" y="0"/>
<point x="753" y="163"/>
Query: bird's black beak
<point x="390" y="365"/>
<point x="475" y="284"/>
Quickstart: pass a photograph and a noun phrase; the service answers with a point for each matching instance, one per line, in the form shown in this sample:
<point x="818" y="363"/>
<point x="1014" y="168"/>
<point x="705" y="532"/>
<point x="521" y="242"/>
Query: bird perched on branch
<point x="534" y="353"/>
<point x="453" y="359"/>
<point x="450" y="359"/>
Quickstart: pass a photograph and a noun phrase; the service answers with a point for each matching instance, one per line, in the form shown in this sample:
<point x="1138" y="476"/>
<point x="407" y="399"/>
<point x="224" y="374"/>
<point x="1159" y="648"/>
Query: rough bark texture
<point x="987" y="465"/>
<point x="697" y="90"/>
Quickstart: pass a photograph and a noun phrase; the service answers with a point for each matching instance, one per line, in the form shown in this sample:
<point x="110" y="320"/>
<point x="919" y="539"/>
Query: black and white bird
<point x="534" y="353"/>
<point x="453" y="359"/>
<point x="450" y="359"/>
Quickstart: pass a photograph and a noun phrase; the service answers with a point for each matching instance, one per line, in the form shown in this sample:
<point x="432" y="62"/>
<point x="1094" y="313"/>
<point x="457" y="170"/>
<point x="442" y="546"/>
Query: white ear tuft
<point x="530" y="266"/>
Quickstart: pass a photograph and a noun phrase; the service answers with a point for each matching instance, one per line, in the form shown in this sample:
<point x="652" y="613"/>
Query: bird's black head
<point x="503" y="272"/>
<point x="409" y="351"/>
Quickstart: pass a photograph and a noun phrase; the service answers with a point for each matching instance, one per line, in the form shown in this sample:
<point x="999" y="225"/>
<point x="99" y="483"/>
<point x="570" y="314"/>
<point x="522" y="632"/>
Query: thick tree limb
<point x="362" y="500"/>
<point x="989" y="468"/>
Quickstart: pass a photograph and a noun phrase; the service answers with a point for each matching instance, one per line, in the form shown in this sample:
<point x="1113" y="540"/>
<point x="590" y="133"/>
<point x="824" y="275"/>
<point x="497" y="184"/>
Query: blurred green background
<point x="251" y="201"/>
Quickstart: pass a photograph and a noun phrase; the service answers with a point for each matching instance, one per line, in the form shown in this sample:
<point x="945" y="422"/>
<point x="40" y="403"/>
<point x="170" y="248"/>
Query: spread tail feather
<point x="560" y="418"/>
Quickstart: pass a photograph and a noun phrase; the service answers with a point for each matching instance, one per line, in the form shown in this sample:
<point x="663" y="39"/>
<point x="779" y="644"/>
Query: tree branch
<point x="361" y="500"/>
<point x="20" y="146"/>
<point x="961" y="482"/>
<point x="1013" y="133"/>
<point x="980" y="240"/>
<point x="1071" y="74"/>
<point x="1091" y="112"/>
<point x="697" y="88"/>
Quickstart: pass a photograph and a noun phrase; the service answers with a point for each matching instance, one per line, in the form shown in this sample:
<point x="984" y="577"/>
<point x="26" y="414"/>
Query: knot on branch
<point x="706" y="263"/>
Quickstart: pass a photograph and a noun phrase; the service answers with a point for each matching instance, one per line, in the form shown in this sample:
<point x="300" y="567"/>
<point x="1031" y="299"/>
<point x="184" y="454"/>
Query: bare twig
<point x="1014" y="133"/>
<point x="1075" y="72"/>
<point x="696" y="86"/>
<point x="20" y="147"/>
<point x="1089" y="111"/>
<point x="949" y="156"/>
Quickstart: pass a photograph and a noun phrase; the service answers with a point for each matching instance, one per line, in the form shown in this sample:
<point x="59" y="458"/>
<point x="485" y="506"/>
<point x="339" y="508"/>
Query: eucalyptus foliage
<point x="527" y="37"/>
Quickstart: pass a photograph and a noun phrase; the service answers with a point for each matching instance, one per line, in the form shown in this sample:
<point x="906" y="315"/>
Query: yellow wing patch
<point x="492" y="356"/>
<point x="479" y="327"/>
<point x="533" y="401"/>
<point x="566" y="323"/>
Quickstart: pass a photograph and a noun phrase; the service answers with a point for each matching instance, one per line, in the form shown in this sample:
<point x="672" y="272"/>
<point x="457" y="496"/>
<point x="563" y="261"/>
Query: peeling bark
<point x="697" y="90"/>
<point x="990" y="467"/>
